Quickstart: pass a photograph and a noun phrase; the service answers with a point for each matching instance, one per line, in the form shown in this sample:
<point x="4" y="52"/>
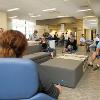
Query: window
<point x="26" y="27"/>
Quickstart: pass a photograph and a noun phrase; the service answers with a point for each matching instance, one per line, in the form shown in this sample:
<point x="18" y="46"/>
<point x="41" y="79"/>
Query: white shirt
<point x="34" y="37"/>
<point x="82" y="39"/>
<point x="66" y="36"/>
<point x="96" y="39"/>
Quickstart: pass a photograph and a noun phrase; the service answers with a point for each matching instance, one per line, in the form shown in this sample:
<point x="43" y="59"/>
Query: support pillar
<point x="98" y="26"/>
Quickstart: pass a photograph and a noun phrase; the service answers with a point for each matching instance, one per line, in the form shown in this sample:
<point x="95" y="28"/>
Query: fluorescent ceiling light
<point x="13" y="17"/>
<point x="93" y="20"/>
<point x="52" y="9"/>
<point x="83" y="10"/>
<point x="93" y="23"/>
<point x="88" y="16"/>
<point x="30" y="14"/>
<point x="36" y="16"/>
<point x="61" y="16"/>
<point x="13" y="9"/>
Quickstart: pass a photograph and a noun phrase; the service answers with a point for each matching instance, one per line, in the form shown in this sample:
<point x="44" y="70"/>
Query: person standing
<point x="66" y="38"/>
<point x="62" y="39"/>
<point x="56" y="38"/>
<point x="97" y="39"/>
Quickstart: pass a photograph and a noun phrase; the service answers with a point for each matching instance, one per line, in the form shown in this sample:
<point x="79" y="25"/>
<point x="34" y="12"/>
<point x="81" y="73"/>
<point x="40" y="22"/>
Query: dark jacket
<point x="74" y="44"/>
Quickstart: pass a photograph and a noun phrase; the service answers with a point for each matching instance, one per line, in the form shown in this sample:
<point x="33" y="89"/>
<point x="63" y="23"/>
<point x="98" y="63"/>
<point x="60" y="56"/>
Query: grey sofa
<point x="34" y="53"/>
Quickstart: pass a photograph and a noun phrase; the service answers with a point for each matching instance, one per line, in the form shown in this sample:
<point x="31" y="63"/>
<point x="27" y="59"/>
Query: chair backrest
<point x="18" y="78"/>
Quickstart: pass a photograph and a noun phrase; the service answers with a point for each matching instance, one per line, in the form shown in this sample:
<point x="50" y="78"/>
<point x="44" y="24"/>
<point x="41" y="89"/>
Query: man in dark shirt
<point x="71" y="45"/>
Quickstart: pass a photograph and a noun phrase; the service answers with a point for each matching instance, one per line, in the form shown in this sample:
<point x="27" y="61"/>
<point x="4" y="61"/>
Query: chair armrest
<point x="40" y="96"/>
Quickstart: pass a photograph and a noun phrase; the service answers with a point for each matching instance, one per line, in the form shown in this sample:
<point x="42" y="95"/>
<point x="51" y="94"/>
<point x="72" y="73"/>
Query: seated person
<point x="94" y="55"/>
<point x="13" y="45"/>
<point x="82" y="40"/>
<point x="34" y="36"/>
<point x="50" y="37"/>
<point x="97" y="65"/>
<point x="71" y="45"/>
<point x="45" y="46"/>
<point x="94" y="45"/>
<point x="97" y="39"/>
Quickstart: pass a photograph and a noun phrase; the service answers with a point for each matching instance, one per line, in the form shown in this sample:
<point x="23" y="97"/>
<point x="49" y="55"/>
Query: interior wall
<point x="79" y="24"/>
<point x="41" y="29"/>
<point x="3" y="20"/>
<point x="55" y="21"/>
<point x="75" y="26"/>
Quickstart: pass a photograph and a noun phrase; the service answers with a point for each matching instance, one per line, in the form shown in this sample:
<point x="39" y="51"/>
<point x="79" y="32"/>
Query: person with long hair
<point x="13" y="44"/>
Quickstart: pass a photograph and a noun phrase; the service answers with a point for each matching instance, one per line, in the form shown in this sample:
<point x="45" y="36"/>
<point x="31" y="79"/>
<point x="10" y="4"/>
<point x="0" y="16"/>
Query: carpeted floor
<point x="88" y="87"/>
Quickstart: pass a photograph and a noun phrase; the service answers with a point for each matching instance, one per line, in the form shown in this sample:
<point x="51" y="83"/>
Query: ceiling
<point x="67" y="8"/>
<point x="95" y="5"/>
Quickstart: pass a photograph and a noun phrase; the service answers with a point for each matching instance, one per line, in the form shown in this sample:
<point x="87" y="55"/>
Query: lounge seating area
<point x="70" y="75"/>
<point x="35" y="53"/>
<point x="49" y="50"/>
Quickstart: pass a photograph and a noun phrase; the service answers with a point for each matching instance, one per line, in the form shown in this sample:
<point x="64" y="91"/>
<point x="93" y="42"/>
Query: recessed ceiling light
<point x="82" y="10"/>
<point x="13" y="9"/>
<point x="93" y="20"/>
<point x="36" y="16"/>
<point x="52" y="9"/>
<point x="13" y="17"/>
<point x="30" y="14"/>
<point x="66" y="0"/>
<point x="61" y="16"/>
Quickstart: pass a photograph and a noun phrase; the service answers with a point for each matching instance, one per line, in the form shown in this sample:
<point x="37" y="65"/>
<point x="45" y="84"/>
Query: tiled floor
<point x="87" y="89"/>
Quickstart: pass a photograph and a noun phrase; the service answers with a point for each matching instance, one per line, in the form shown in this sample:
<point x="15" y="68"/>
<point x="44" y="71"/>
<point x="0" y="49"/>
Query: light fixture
<point x="35" y="16"/>
<point x="30" y="14"/>
<point x="93" y="23"/>
<point x="82" y="10"/>
<point x="93" y="20"/>
<point x="66" y="0"/>
<point x="61" y="16"/>
<point x="13" y="17"/>
<point x="52" y="9"/>
<point x="88" y="16"/>
<point x="14" y="9"/>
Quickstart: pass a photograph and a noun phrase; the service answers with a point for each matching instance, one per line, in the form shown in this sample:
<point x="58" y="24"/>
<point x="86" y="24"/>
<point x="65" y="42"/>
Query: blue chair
<point x="19" y="80"/>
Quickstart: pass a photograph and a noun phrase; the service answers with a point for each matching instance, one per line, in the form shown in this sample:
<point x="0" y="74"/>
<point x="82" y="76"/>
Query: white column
<point x="3" y="20"/>
<point x="98" y="26"/>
